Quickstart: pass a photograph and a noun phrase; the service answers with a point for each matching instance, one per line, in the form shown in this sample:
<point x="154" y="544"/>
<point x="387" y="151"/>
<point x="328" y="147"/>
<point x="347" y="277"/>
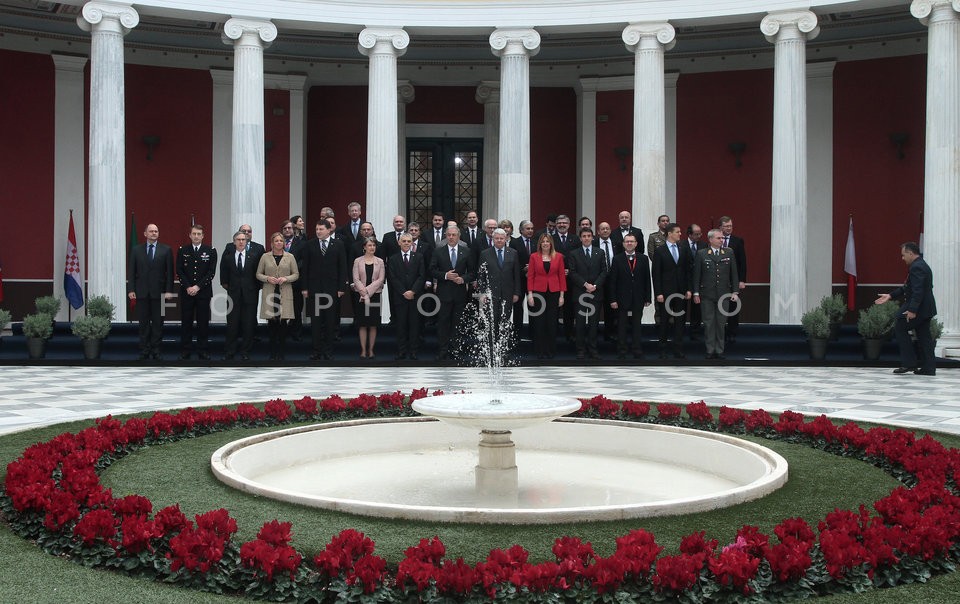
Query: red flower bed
<point x="53" y="494"/>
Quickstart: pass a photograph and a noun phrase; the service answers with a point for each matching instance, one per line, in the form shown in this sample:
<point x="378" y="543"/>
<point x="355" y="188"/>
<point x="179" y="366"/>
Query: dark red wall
<point x="553" y="154"/>
<point x="336" y="149"/>
<point x="445" y="105"/>
<point x="26" y="164"/>
<point x="714" y="110"/>
<point x="613" y="183"/>
<point x="177" y="106"/>
<point x="873" y="99"/>
<point x="276" y="129"/>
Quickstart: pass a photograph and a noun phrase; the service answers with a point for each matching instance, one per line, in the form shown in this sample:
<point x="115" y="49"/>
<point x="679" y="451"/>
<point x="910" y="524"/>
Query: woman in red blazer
<point x="546" y="282"/>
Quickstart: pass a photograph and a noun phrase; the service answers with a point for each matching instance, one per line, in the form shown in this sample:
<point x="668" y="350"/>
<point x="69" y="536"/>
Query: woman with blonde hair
<point x="546" y="282"/>
<point x="277" y="270"/>
<point x="369" y="274"/>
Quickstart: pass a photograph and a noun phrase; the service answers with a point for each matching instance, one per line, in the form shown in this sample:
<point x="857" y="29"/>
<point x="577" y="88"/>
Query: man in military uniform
<point x="196" y="267"/>
<point x="658" y="238"/>
<point x="715" y="287"/>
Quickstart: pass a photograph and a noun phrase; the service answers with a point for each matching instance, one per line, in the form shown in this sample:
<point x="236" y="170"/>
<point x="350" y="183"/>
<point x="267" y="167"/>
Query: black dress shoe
<point x="710" y="355"/>
<point x="244" y="357"/>
<point x="399" y="356"/>
<point x="719" y="357"/>
<point x="900" y="370"/>
<point x="156" y="356"/>
<point x="581" y="356"/>
<point x="316" y="357"/>
<point x="595" y="355"/>
<point x="203" y="356"/>
<point x="413" y="356"/>
<point x="327" y="357"/>
<point x="679" y="355"/>
<point x="184" y="356"/>
<point x="925" y="371"/>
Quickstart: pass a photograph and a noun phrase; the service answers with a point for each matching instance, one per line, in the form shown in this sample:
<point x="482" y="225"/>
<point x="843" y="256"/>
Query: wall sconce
<point x="622" y="154"/>
<point x="152" y="141"/>
<point x="737" y="149"/>
<point x="899" y="139"/>
<point x="267" y="148"/>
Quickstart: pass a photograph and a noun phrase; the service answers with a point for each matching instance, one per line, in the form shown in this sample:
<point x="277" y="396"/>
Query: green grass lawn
<point x="179" y="472"/>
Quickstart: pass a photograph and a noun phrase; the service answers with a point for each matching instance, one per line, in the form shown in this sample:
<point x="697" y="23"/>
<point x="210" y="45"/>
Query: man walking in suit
<point x="238" y="275"/>
<point x="452" y="270"/>
<point x="740" y="255"/>
<point x="629" y="286"/>
<point x="915" y="313"/>
<point x="324" y="268"/>
<point x="715" y="281"/>
<point x="588" y="271"/>
<point x="498" y="282"/>
<point x="150" y="283"/>
<point x="671" y="288"/>
<point x="196" y="266"/>
<point x="405" y="274"/>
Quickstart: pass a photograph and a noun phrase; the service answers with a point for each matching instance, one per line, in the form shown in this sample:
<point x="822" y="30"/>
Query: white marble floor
<point x="35" y="396"/>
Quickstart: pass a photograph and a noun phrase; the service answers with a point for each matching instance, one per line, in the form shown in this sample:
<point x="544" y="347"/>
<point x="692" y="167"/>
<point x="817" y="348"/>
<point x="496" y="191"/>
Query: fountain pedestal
<point x="496" y="471"/>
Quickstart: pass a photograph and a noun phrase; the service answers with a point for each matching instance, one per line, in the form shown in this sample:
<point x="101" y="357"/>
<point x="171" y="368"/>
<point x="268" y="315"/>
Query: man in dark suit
<point x="350" y="232"/>
<point x="626" y="227"/>
<point x="452" y="270"/>
<point x="604" y="241"/>
<point x="238" y="275"/>
<point x="715" y="287"/>
<point x="471" y="229"/>
<point x="671" y="288"/>
<point x="391" y="240"/>
<point x="294" y="244"/>
<point x="436" y="231"/>
<point x="405" y="274"/>
<point x="196" y="266"/>
<point x="498" y="281"/>
<point x="694" y="245"/>
<point x="324" y="276"/>
<point x="917" y="309"/>
<point x="628" y="284"/>
<point x="366" y="230"/>
<point x="150" y="283"/>
<point x="522" y="245"/>
<point x="253" y="247"/>
<point x="484" y="240"/>
<point x="740" y="254"/>
<point x="588" y="271"/>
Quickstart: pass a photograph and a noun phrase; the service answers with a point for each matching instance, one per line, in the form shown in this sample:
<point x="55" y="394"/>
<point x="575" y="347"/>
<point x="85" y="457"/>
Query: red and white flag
<point x="72" y="287"/>
<point x="850" y="268"/>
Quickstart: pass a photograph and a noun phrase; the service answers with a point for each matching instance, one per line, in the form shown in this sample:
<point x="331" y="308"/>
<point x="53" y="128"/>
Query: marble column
<point x="587" y="149"/>
<point x="68" y="174"/>
<point x="514" y="47"/>
<point x="247" y="189"/>
<point x="941" y="192"/>
<point x="488" y="95"/>
<point x="820" y="232"/>
<point x="406" y="94"/>
<point x="789" y="31"/>
<point x="648" y="41"/>
<point x="107" y="23"/>
<point x="382" y="46"/>
<point x="223" y="226"/>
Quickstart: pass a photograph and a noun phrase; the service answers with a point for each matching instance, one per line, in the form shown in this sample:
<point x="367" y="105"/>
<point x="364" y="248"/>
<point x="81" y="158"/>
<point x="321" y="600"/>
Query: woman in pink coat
<point x="368" y="277"/>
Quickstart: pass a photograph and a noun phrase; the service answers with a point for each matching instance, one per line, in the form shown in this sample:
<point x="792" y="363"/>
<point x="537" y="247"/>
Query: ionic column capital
<point x="784" y="25"/>
<point x="922" y="9"/>
<point x="380" y="40"/>
<point x="488" y="92"/>
<point x="640" y="36"/>
<point x="504" y="42"/>
<point x="108" y="16"/>
<point x="406" y="93"/>
<point x="250" y="30"/>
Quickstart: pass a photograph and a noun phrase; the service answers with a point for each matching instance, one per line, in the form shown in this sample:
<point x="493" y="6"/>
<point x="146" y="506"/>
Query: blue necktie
<point x="453" y="258"/>
<point x="500" y="257"/>
<point x="150" y="252"/>
<point x="673" y="251"/>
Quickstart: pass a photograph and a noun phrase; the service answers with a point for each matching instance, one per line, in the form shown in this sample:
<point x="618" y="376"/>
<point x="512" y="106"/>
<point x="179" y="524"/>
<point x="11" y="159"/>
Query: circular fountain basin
<point x="495" y="411"/>
<point x="569" y="470"/>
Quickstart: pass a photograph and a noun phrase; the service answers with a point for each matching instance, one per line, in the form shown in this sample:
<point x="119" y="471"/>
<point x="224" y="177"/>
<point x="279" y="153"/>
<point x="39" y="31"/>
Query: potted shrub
<point x="50" y="306"/>
<point x="936" y="328"/>
<point x="816" y="325"/>
<point x="836" y="308"/>
<point x="874" y="325"/>
<point x="92" y="330"/>
<point x="4" y="321"/>
<point x="100" y="306"/>
<point x="37" y="328"/>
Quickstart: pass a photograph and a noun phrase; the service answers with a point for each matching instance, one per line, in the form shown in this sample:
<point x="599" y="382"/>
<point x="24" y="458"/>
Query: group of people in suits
<point x="579" y="275"/>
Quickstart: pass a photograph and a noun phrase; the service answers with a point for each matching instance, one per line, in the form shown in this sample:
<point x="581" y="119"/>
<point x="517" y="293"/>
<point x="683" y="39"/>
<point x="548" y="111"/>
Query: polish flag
<point x="850" y="268"/>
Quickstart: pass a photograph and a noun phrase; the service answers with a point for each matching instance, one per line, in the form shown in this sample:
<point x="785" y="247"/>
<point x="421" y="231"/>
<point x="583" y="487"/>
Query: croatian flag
<point x="71" y="270"/>
<point x="850" y="268"/>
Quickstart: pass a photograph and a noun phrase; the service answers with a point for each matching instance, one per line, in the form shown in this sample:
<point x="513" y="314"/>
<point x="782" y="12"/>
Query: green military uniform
<point x="655" y="240"/>
<point x="714" y="279"/>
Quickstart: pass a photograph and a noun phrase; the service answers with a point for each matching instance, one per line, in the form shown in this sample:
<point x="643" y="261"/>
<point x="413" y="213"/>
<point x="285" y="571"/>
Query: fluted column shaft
<point x="488" y="95"/>
<point x="107" y="23"/>
<point x="648" y="41"/>
<point x="514" y="47"/>
<point x="247" y="175"/>
<point x="789" y="32"/>
<point x="382" y="46"/>
<point x="941" y="194"/>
